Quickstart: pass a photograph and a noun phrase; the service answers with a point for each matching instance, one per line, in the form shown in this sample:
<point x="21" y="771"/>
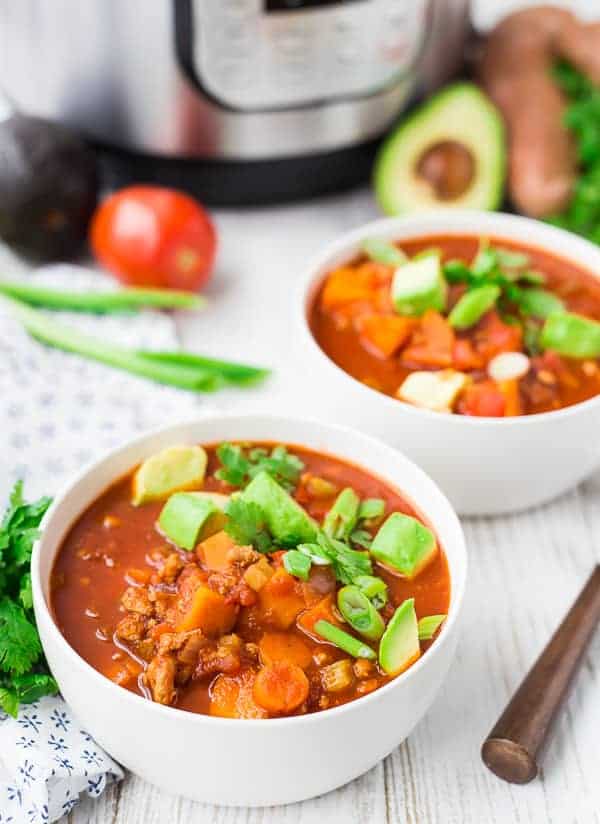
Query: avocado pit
<point x="448" y="167"/>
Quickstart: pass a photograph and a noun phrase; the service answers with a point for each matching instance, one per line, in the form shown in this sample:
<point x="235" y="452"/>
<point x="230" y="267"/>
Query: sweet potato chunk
<point x="284" y="646"/>
<point x="213" y="552"/>
<point x="208" y="611"/>
<point x="280" y="600"/>
<point x="231" y="697"/>
<point x="324" y="610"/>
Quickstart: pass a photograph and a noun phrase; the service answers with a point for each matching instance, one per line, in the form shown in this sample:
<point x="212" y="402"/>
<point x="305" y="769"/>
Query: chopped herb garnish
<point x="239" y="467"/>
<point x="246" y="524"/>
<point x="24" y="674"/>
<point x="347" y="563"/>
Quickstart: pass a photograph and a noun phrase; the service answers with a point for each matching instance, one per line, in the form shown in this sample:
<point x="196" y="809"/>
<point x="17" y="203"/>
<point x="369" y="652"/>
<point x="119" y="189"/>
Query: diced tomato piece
<point x="493" y="336"/>
<point x="483" y="400"/>
<point x="384" y="334"/>
<point x="465" y="357"/>
<point x="432" y="343"/>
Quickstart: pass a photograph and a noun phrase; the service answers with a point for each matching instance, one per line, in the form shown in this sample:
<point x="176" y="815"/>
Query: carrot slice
<point x="231" y="697"/>
<point x="280" y="688"/>
<point x="284" y="646"/>
<point x="384" y="334"/>
<point x="512" y="397"/>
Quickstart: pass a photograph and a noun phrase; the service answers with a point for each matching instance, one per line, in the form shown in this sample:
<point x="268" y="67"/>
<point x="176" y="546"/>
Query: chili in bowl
<point x="259" y="585"/>
<point x="470" y="340"/>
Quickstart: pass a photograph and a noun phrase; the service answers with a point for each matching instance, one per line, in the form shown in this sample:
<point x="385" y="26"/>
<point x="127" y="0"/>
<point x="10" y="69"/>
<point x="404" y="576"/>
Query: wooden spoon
<point x="513" y="748"/>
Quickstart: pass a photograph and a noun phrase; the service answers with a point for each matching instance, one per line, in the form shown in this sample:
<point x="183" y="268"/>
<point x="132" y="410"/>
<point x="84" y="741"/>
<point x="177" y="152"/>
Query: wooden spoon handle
<point x="513" y="747"/>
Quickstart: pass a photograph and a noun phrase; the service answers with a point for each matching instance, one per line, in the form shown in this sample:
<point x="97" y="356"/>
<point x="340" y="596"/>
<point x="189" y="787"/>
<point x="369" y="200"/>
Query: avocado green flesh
<point x="404" y="544"/>
<point x="462" y="114"/>
<point x="399" y="645"/>
<point x="186" y="517"/>
<point x="419" y="285"/>
<point x="175" y="468"/>
<point x="288" y="523"/>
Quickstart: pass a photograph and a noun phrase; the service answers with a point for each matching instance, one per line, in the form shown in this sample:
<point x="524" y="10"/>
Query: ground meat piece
<point x="242" y="594"/>
<point x="171" y="568"/>
<point x="145" y="649"/>
<point x="160" y="678"/>
<point x="162" y="601"/>
<point x="225" y="655"/>
<point x="363" y="668"/>
<point x="131" y="628"/>
<point x="136" y="599"/>
<point x="243" y="556"/>
<point x="186" y="644"/>
<point x="222" y="582"/>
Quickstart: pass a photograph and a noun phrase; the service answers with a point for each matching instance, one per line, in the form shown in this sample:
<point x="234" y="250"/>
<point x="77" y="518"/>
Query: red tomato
<point x="483" y="400"/>
<point x="153" y="236"/>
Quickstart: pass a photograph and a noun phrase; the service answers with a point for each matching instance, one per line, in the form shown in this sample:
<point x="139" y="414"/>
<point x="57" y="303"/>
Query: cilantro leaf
<point x="238" y="467"/>
<point x="24" y="674"/>
<point x="246" y="524"/>
<point x="20" y="645"/>
<point x="347" y="563"/>
<point x="9" y="701"/>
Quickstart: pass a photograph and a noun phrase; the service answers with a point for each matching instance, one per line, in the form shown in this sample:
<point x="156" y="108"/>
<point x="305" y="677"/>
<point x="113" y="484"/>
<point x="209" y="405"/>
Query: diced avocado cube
<point x="399" y="645"/>
<point x="404" y="544"/>
<point x="189" y="517"/>
<point x="433" y="390"/>
<point x="288" y="523"/>
<point x="174" y="469"/>
<point x="419" y="285"/>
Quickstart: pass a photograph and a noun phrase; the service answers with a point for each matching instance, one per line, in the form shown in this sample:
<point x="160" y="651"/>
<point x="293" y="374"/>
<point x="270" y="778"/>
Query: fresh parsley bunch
<point x="238" y="467"/>
<point x="24" y="674"/>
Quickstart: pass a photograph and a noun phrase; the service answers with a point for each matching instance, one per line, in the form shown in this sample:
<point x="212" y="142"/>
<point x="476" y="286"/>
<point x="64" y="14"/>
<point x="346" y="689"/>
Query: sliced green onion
<point x="429" y="625"/>
<point x="473" y="305"/>
<point x="383" y="252"/>
<point x="511" y="259"/>
<point x="374" y="588"/>
<point x="371" y="508"/>
<point x="121" y="300"/>
<point x="343" y="515"/>
<point x="236" y="373"/>
<point x="297" y="564"/>
<point x="360" y="613"/>
<point x="317" y="555"/>
<point x="457" y="271"/>
<point x="361" y="537"/>
<point x="540" y="303"/>
<point x="343" y="640"/>
<point x="61" y="336"/>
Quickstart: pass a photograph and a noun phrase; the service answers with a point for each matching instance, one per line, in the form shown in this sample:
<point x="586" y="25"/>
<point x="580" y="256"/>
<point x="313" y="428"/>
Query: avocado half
<point x="451" y="152"/>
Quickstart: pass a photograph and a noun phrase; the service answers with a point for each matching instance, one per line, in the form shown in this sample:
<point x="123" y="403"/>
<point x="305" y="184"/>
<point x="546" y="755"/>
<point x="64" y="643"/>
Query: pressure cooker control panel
<point x="263" y="54"/>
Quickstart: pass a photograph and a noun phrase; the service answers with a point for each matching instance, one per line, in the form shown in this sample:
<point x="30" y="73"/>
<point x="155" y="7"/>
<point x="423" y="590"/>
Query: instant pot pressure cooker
<point x="238" y="101"/>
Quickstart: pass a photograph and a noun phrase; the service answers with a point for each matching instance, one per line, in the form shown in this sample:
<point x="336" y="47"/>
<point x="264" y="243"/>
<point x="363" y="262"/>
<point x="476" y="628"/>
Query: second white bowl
<point x="484" y="465"/>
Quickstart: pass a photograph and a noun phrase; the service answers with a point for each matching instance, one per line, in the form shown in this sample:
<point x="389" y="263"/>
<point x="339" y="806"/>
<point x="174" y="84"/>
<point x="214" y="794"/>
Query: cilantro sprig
<point x="239" y="466"/>
<point x="247" y="525"/>
<point x="24" y="674"/>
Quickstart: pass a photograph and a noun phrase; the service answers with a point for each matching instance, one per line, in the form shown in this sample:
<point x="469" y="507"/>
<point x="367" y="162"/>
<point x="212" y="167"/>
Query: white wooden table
<point x="524" y="572"/>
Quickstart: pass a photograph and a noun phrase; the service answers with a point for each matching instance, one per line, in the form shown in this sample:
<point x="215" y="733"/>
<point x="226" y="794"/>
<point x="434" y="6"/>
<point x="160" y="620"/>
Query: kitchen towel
<point x="57" y="412"/>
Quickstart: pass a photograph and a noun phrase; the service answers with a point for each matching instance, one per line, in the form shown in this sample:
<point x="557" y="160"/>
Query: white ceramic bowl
<point x="249" y="762"/>
<point x="484" y="465"/>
